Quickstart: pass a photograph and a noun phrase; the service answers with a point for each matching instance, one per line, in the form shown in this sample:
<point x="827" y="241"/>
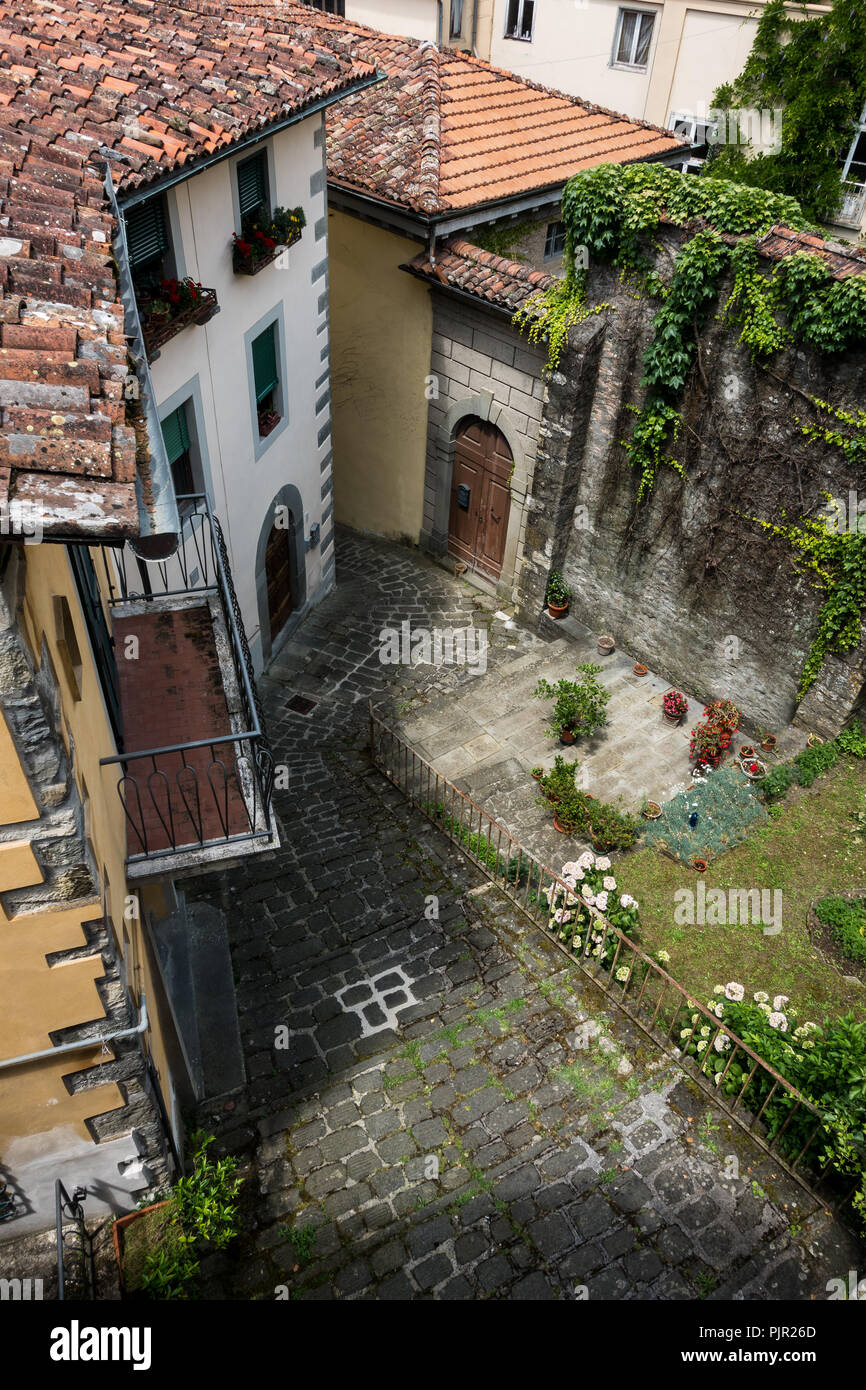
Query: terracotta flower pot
<point x="118" y="1230"/>
<point x="558" y="826"/>
<point x="557" y="610"/>
<point x="768" y="743"/>
<point x="605" y="645"/>
<point x="700" y="865"/>
<point x="672" y="719"/>
<point x="639" y="668"/>
<point x="537" y="776"/>
<point x="746" y="750"/>
<point x="567" y="736"/>
<point x="653" y="811"/>
<point x="814" y="740"/>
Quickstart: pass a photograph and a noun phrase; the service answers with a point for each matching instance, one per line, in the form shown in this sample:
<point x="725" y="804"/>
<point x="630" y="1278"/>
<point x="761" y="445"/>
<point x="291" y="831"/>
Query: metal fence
<point x="211" y="791"/>
<point x="784" y="1123"/>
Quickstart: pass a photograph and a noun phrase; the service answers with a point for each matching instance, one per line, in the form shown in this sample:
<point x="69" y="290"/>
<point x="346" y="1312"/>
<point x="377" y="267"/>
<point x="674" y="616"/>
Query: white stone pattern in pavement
<point x="377" y="1001"/>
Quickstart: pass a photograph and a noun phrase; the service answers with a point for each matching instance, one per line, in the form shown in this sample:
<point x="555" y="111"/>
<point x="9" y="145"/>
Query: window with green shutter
<point x="265" y="363"/>
<point x="175" y="436"/>
<point x="146" y="233"/>
<point x="252" y="185"/>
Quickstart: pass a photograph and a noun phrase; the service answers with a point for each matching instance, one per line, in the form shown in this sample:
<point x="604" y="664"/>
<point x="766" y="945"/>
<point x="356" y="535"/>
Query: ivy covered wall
<point x="689" y="579"/>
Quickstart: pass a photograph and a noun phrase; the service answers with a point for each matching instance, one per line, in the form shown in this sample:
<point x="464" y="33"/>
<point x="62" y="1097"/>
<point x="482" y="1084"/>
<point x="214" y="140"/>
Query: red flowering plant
<point x="258" y="242"/>
<point x="675" y="704"/>
<point x="710" y="740"/>
<point x="181" y="294"/>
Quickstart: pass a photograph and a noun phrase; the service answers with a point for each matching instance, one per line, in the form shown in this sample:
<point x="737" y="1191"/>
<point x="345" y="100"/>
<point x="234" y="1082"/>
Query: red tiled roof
<point x="462" y="266"/>
<point x="842" y="259"/>
<point x="142" y="86"/>
<point x="448" y="131"/>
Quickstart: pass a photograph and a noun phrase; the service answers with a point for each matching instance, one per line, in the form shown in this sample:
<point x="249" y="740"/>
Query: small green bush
<point x="846" y="918"/>
<point x="776" y="783"/>
<point x="853" y="740"/>
<point x="812" y="762"/>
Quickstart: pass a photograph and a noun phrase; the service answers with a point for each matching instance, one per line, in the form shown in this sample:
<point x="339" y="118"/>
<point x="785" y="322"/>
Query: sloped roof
<point x="144" y="87"/>
<point x="462" y="266"/>
<point x="843" y="259"/>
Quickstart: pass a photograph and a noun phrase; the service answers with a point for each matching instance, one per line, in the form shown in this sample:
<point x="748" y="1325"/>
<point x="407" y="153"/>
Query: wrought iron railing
<point x="76" y="1272"/>
<point x="638" y="985"/>
<point x="211" y="791"/>
<point x="853" y="204"/>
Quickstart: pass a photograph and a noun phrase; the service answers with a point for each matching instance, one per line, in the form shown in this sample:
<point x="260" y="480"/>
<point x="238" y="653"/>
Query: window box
<point x="258" y="246"/>
<point x="268" y="421"/>
<point x="180" y="303"/>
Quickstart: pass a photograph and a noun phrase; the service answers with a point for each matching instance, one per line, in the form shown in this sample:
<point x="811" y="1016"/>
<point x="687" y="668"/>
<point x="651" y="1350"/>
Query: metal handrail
<point x="409" y="771"/>
<point x="69" y="1209"/>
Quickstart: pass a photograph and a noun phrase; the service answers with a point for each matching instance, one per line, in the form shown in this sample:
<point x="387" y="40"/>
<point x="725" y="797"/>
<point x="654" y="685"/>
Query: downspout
<point x="474" y="28"/>
<point x="140" y="1027"/>
<point x="157" y="506"/>
<point x="431" y="247"/>
<point x="438" y="23"/>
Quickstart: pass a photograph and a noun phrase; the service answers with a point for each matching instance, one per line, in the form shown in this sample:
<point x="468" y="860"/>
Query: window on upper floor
<point x="253" y="193"/>
<point x="455" y="26"/>
<point x="519" y="20"/>
<point x="266" y="380"/>
<point x="181" y="454"/>
<point x="554" y="241"/>
<point x="853" y="206"/>
<point x="148" y="241"/>
<point x="634" y="31"/>
<point x="337" y="7"/>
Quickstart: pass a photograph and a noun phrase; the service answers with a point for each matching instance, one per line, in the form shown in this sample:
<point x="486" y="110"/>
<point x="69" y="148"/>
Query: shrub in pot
<point x="558" y="595"/>
<point x="579" y="706"/>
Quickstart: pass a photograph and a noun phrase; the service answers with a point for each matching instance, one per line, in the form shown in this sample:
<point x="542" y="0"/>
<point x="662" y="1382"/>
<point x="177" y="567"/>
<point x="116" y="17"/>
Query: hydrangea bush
<point x="590" y="884"/>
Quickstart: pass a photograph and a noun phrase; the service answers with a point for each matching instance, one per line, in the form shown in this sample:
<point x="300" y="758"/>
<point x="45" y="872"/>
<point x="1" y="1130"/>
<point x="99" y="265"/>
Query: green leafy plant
<point x="846" y="919"/>
<point x="579" y="706"/>
<point x="558" y="592"/>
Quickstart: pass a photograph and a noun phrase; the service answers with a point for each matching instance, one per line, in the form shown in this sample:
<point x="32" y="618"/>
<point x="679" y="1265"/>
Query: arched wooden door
<point x="278" y="573"/>
<point x="480" y="497"/>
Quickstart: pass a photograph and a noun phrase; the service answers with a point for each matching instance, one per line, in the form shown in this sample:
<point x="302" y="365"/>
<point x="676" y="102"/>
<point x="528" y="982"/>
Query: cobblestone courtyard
<point x="437" y="1105"/>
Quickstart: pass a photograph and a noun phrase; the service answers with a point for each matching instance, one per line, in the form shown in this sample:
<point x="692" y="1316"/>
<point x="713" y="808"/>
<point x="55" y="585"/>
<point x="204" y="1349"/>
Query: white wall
<point x="416" y="19"/>
<point x="242" y="485"/>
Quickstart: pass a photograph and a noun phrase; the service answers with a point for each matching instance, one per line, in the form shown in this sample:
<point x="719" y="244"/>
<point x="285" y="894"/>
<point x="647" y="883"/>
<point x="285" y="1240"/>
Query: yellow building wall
<point x="381" y="327"/>
<point x="38" y="998"/>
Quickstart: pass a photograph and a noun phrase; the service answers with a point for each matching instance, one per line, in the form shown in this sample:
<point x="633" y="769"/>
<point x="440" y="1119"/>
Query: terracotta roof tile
<point x="461" y="266"/>
<point x="842" y="258"/>
<point x="142" y="86"/>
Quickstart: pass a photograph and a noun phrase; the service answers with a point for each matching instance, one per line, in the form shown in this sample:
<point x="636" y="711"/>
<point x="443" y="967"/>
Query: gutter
<point x="141" y="1027"/>
<point x="158" y="514"/>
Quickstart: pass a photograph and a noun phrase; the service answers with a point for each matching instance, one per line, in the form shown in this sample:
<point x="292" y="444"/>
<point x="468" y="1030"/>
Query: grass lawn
<point x="808" y="852"/>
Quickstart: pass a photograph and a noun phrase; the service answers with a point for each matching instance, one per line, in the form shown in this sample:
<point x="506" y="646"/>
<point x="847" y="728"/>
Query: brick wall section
<point x="475" y="351"/>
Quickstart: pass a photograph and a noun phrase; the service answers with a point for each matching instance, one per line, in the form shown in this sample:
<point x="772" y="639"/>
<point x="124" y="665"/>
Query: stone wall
<point x="687" y="582"/>
<point x="480" y="366"/>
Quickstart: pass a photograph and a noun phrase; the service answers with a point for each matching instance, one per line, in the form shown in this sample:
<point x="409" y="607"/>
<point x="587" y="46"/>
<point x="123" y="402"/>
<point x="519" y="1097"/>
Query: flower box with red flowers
<point x="268" y="421"/>
<point x="261" y="243"/>
<point x="172" y="307"/>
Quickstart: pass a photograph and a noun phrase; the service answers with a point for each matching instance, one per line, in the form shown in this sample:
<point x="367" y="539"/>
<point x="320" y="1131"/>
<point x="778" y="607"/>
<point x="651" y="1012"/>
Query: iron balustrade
<point x="206" y="792"/>
<point x="652" y="999"/>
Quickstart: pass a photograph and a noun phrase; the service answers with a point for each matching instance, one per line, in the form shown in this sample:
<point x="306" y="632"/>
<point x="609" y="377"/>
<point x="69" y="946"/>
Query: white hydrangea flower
<point x="662" y="957"/>
<point x="702" y="1044"/>
<point x="718" y="989"/>
<point x="761" y="996"/>
<point x="722" y="1043"/>
<point x="627" y="901"/>
<point x="569" y="868"/>
<point x="705" y="1032"/>
<point x="734" y="991"/>
<point x="602" y="863"/>
<point x="808" y="1042"/>
<point x="686" y="1032"/>
<point x="588" y="895"/>
<point x="596" y="951"/>
<point x="609" y="883"/>
<point x="718" y="1078"/>
<point x="778" y="1020"/>
<point x="719" y="1010"/>
<point x="578" y="876"/>
<point x="779" y="1002"/>
<point x="623" y="972"/>
<point x="601" y="901"/>
<point x="765" y="1008"/>
<point x="587" y="859"/>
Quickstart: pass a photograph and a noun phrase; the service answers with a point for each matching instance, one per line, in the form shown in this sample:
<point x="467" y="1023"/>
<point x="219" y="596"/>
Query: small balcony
<point x="853" y="205"/>
<point x="195" y="774"/>
<point x="171" y="308"/>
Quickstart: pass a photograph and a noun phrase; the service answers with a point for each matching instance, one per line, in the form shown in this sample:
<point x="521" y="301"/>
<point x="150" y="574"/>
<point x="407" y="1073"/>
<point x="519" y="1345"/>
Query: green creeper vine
<point x="500" y="238"/>
<point x="814" y="69"/>
<point x="832" y="553"/>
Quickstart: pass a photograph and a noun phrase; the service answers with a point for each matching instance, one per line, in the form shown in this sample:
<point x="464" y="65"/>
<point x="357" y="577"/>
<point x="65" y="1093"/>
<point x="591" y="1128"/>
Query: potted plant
<point x="746" y="750"/>
<point x="768" y="741"/>
<point x="536" y="773"/>
<point x="639" y="668"/>
<point x="605" y="645"/>
<point x="268" y="421"/>
<point x="579" y="706"/>
<point x="558" y="595"/>
<point x="261" y="241"/>
<point x="158" y="313"/>
<point x="700" y="865"/>
<point x="674" y="706"/>
<point x="651" y="810"/>
<point x="753" y="768"/>
<point x="814" y="740"/>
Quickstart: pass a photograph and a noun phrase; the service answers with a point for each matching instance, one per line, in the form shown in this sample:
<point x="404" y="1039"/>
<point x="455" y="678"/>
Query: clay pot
<point x="746" y="750"/>
<point x="700" y="865"/>
<point x="567" y="736"/>
<point x="557" y="611"/>
<point x="814" y="740"/>
<point x="653" y="811"/>
<point x="768" y="743"/>
<point x="639" y="669"/>
<point x="605" y="645"/>
<point x="672" y="719"/>
<point x="561" y="828"/>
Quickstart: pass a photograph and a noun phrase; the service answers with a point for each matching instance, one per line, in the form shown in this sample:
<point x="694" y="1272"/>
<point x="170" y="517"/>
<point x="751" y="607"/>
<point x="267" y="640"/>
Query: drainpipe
<point x="140" y="1027"/>
<point x="474" y="27"/>
<point x="439" y="23"/>
<point x="431" y="247"/>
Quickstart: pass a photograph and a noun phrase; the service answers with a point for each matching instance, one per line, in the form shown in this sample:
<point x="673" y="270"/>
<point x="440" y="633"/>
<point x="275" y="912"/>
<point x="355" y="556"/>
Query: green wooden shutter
<point x="175" y="434"/>
<point x="252" y="184"/>
<point x="146" y="234"/>
<point x="265" y="362"/>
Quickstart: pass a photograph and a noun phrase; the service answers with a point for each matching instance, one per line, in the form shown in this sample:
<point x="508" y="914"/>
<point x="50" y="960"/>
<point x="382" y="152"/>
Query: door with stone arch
<point x="480" y="497"/>
<point x="278" y="575"/>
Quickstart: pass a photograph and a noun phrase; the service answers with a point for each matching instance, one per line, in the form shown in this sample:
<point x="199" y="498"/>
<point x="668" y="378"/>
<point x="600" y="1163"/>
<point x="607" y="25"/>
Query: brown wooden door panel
<point x="483" y="464"/>
<point x="278" y="573"/>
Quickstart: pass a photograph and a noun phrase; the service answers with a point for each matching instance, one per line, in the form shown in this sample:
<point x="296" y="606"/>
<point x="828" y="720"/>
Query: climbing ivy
<point x="501" y="238"/>
<point x="832" y="553"/>
<point x="814" y="70"/>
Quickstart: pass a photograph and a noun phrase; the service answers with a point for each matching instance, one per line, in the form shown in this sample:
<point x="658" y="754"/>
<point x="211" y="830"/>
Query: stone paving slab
<point x="497" y="1130"/>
